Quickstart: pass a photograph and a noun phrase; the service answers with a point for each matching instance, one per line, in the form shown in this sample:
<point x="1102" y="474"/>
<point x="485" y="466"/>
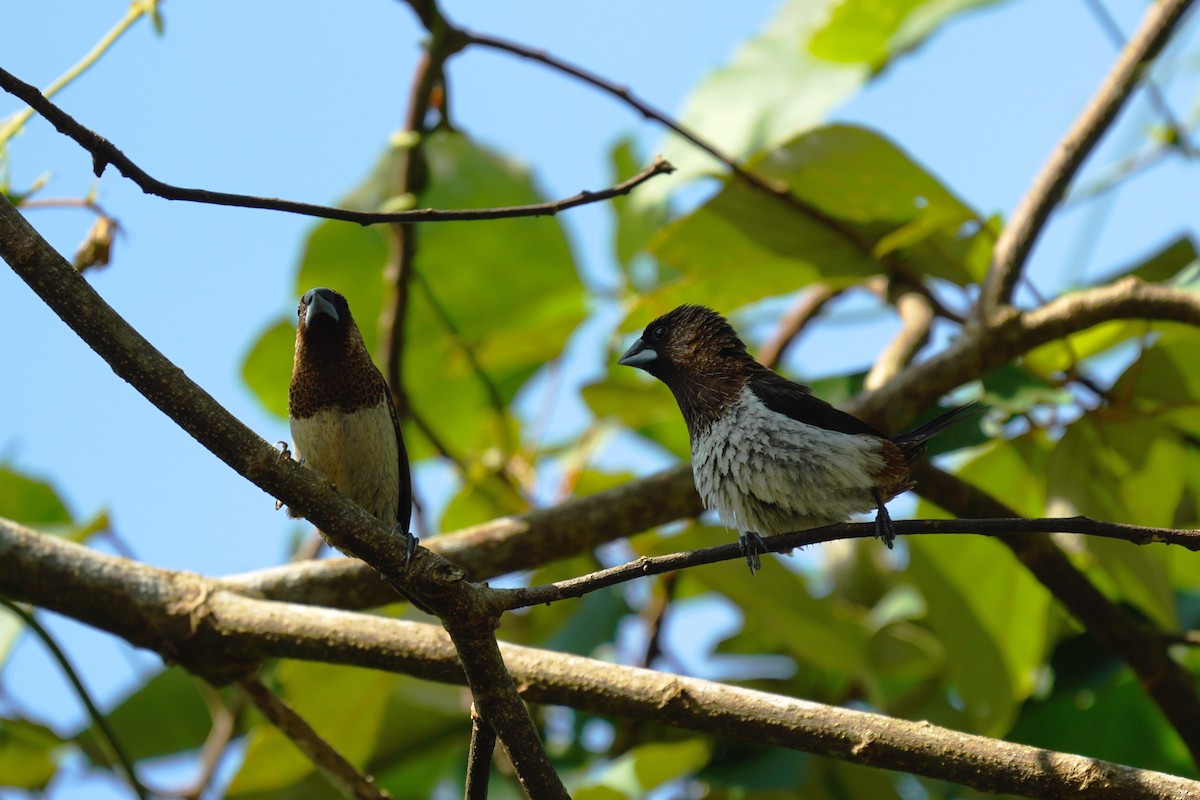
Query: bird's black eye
<point x="659" y="333"/>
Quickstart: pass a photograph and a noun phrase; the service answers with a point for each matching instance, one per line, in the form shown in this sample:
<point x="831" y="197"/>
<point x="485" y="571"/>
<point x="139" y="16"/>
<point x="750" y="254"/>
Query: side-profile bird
<point x="343" y="422"/>
<point x="769" y="456"/>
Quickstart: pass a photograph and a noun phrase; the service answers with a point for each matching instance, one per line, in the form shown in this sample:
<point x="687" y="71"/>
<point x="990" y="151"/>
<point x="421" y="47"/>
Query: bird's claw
<point x="410" y="544"/>
<point x="884" y="527"/>
<point x="284" y="451"/>
<point x="752" y="547"/>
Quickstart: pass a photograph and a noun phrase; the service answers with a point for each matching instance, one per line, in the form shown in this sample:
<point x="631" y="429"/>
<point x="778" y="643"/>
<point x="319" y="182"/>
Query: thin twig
<point x="105" y="153"/>
<point x="511" y="599"/>
<point x="109" y="743"/>
<point x="332" y="764"/>
<point x="806" y="308"/>
<point x="479" y="757"/>
<point x="216" y="745"/>
<point x="1029" y="219"/>
<point x="1178" y="134"/>
<point x="13" y="124"/>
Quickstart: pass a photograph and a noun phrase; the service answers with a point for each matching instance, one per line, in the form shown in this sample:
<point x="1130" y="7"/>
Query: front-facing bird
<point x="343" y="422"/>
<point x="768" y="456"/>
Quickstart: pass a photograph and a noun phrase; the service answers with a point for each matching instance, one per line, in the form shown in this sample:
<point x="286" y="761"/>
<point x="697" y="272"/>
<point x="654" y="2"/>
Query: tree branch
<point x="332" y="764"/>
<point x="1019" y="235"/>
<point x="157" y="608"/>
<point x="916" y="319"/>
<point x="1010" y="334"/>
<point x="479" y="757"/>
<point x="464" y="608"/>
<point x="786" y="542"/>
<point x="105" y="152"/>
<point x="803" y="311"/>
<point x="503" y="545"/>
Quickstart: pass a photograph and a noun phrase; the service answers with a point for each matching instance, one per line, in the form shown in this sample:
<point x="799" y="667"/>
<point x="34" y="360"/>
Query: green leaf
<point x="856" y="195"/>
<point x="513" y="327"/>
<point x="1078" y="717"/>
<point x="1014" y="389"/>
<point x="1123" y="471"/>
<point x="991" y="615"/>
<point x="645" y="406"/>
<point x="508" y="331"/>
<point x="28" y="754"/>
<point x="142" y="728"/>
<point x="828" y="633"/>
<point x="30" y="501"/>
<point x="772" y="89"/>
<point x="267" y="368"/>
<point x="1170" y="265"/>
<point x="342" y="704"/>
<point x="872" y="31"/>
<point x="633" y="223"/>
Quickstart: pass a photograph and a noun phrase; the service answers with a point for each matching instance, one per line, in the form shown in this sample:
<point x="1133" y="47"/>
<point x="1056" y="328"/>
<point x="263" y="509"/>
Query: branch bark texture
<point x="210" y="626"/>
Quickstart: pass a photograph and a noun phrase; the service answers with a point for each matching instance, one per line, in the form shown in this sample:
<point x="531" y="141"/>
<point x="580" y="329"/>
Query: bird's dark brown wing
<point x="798" y="402"/>
<point x="404" y="504"/>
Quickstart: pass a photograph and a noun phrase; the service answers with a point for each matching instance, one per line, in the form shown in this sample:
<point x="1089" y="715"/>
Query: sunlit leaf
<point x="28" y="754"/>
<point x="30" y="501"/>
<point x="872" y="31"/>
<point x="989" y="612"/>
<point x="857" y="197"/>
<point x="827" y="633"/>
<point x="1123" y="471"/>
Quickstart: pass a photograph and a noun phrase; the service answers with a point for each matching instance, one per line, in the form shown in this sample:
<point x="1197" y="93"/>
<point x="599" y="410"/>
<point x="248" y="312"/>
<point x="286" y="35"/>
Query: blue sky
<point x="297" y="101"/>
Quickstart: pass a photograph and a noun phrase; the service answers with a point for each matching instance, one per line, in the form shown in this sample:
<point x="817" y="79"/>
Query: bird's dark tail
<point x="913" y="442"/>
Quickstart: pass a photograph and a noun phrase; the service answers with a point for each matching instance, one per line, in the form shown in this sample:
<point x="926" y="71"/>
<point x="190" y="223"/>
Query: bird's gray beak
<point x="638" y="355"/>
<point x="319" y="305"/>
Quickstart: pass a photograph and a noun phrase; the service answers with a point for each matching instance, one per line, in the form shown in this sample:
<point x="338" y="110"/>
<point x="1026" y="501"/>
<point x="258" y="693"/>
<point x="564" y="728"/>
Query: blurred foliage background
<point x="947" y="629"/>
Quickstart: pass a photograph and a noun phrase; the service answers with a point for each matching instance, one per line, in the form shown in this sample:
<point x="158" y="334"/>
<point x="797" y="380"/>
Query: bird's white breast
<point x="765" y="472"/>
<point x="356" y="452"/>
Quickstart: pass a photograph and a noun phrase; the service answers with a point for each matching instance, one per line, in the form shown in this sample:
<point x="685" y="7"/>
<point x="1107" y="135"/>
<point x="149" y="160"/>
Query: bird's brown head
<point x="332" y="364"/>
<point x="324" y="319"/>
<point x="697" y="353"/>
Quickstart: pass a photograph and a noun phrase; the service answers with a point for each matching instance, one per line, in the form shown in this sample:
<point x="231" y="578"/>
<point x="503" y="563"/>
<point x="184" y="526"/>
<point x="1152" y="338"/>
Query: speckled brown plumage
<point x="343" y="422"/>
<point x="768" y="455"/>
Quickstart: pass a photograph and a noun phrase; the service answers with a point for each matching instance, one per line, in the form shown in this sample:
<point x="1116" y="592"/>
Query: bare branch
<point x="148" y="606"/>
<point x="332" y="764"/>
<point x="1019" y="235"/>
<point x="105" y="152"/>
